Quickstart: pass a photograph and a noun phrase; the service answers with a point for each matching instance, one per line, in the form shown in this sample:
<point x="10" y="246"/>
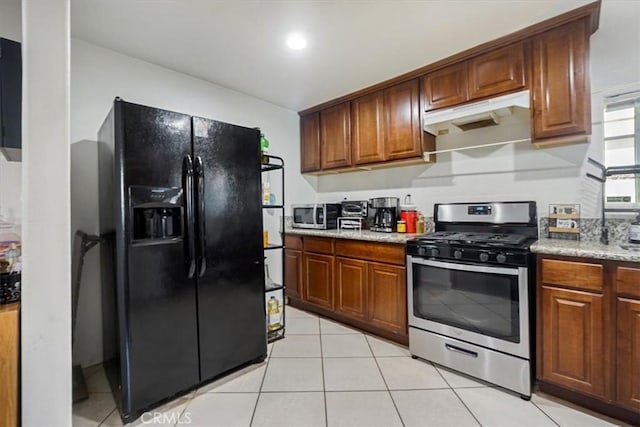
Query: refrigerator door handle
<point x="187" y="178"/>
<point x="202" y="259"/>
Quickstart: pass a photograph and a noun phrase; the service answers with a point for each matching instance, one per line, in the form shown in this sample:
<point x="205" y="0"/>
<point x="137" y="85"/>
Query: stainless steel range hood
<point x="476" y="115"/>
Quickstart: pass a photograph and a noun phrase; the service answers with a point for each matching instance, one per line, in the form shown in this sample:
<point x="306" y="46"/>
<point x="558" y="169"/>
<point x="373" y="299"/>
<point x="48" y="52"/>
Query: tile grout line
<point x="108" y="415"/>
<point x="264" y="375"/>
<point x="542" y="410"/>
<point x="324" y="388"/>
<point x="375" y="359"/>
<point x="456" y="393"/>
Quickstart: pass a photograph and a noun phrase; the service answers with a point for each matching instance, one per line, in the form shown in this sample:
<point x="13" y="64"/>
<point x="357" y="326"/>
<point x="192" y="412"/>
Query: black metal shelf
<point x="277" y="287"/>
<point x="275" y="163"/>
<point x="271" y="246"/>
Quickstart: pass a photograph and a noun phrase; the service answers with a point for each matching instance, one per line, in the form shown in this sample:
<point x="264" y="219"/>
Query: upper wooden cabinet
<point x="493" y="73"/>
<point x="402" y="131"/>
<point x="502" y="70"/>
<point x="561" y="96"/>
<point x="335" y="136"/>
<point x="367" y="119"/>
<point x="310" y="143"/>
<point x="445" y="87"/>
<point x="549" y="58"/>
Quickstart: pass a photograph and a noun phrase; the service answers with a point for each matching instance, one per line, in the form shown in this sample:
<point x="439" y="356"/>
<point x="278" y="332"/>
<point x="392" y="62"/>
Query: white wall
<point x="99" y="75"/>
<point x="10" y="172"/>
<point x="518" y="172"/>
<point x="46" y="300"/>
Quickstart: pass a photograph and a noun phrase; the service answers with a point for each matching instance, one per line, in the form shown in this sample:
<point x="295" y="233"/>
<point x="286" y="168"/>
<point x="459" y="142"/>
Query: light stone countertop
<point x="585" y="249"/>
<point x="372" y="236"/>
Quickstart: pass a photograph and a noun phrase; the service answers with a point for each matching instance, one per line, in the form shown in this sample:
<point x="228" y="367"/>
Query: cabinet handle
<point x="461" y="350"/>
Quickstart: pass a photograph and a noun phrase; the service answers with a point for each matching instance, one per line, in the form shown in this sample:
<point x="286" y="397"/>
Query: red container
<point x="411" y="218"/>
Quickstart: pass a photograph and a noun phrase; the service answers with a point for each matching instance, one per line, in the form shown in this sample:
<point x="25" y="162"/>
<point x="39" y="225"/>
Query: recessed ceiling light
<point x="296" y="41"/>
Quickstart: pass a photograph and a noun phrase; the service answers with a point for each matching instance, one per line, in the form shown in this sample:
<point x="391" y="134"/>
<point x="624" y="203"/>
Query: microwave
<point x="323" y="216"/>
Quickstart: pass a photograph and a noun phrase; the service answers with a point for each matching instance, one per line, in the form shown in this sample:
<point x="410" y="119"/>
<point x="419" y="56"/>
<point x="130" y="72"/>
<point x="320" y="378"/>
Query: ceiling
<point x="351" y="44"/>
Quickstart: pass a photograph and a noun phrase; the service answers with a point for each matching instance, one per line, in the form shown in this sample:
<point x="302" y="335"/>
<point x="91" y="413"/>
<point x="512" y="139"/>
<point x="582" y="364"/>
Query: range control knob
<point x="434" y="252"/>
<point x="422" y="251"/>
<point x="457" y="254"/>
<point x="484" y="257"/>
<point x="501" y="258"/>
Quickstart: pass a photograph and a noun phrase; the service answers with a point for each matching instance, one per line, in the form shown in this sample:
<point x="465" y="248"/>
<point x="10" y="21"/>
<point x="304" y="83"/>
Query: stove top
<point x="471" y="238"/>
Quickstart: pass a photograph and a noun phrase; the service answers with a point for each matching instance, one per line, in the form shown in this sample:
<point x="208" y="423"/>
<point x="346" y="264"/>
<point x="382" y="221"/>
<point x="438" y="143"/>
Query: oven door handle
<point x="513" y="271"/>
<point x="461" y="350"/>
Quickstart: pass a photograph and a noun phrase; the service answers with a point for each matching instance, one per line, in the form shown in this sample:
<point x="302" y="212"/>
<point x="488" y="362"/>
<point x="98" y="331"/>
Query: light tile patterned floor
<point x="327" y="374"/>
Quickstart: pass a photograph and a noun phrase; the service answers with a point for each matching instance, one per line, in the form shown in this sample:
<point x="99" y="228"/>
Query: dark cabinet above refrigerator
<point x="10" y="100"/>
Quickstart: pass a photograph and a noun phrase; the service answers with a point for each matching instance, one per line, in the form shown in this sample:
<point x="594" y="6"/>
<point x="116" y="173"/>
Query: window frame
<point x="633" y="102"/>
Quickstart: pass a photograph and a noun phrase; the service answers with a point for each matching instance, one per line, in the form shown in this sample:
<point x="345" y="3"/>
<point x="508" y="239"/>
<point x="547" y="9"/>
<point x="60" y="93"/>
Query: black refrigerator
<point x="183" y="264"/>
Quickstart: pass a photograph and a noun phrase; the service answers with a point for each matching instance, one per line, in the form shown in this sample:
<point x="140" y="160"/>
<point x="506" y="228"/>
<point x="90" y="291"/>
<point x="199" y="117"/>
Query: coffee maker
<point x="385" y="213"/>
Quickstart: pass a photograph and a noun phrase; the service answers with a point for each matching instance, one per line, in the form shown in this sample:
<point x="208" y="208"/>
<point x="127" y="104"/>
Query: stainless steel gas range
<point x="470" y="291"/>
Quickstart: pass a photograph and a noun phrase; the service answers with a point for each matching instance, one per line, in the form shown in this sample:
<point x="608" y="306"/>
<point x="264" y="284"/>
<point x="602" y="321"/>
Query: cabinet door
<point x="351" y="287"/>
<point x="445" y="87"/>
<point x="293" y="272"/>
<point x="310" y="143"/>
<point x="628" y="353"/>
<point x="318" y="282"/>
<point x="496" y="72"/>
<point x="387" y="297"/>
<point x="335" y="136"/>
<point x="367" y="123"/>
<point x="402" y="121"/>
<point x="561" y="94"/>
<point x="573" y="340"/>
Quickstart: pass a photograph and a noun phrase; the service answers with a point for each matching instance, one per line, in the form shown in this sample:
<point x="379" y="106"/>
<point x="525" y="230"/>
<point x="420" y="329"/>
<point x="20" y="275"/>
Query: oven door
<point x="483" y="305"/>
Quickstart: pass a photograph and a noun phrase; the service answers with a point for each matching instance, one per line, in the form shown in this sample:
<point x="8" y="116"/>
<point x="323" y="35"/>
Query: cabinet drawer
<point x="573" y="274"/>
<point x="318" y="244"/>
<point x="293" y="242"/>
<point x="628" y="281"/>
<point x="387" y="253"/>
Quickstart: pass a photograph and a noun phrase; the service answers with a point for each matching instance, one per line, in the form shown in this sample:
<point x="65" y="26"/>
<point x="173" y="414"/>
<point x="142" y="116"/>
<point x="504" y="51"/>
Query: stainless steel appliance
<point x="353" y="214"/>
<point x="470" y="291"/>
<point x="385" y="217"/>
<point x="183" y="279"/>
<point x="322" y="216"/>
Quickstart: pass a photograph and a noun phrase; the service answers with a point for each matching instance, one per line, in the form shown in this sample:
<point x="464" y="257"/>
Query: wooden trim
<point x="9" y="362"/>
<point x="382" y="165"/>
<point x="591" y="10"/>
<point x="561" y="141"/>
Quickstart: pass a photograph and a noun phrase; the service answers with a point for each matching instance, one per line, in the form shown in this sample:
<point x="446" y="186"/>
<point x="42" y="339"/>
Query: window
<point x="622" y="148"/>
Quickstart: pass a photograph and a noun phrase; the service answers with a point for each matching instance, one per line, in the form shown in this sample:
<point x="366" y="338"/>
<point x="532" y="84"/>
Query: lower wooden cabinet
<point x="318" y="279"/>
<point x="628" y="352"/>
<point x="293" y="272"/>
<point x="351" y="287"/>
<point x="388" y="297"/>
<point x="9" y="369"/>
<point x="572" y="339"/>
<point x="588" y="333"/>
<point x="356" y="282"/>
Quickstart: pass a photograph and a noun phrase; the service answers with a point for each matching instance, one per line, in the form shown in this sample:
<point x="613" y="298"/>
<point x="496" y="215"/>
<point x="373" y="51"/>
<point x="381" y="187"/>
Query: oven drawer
<point x="506" y="371"/>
